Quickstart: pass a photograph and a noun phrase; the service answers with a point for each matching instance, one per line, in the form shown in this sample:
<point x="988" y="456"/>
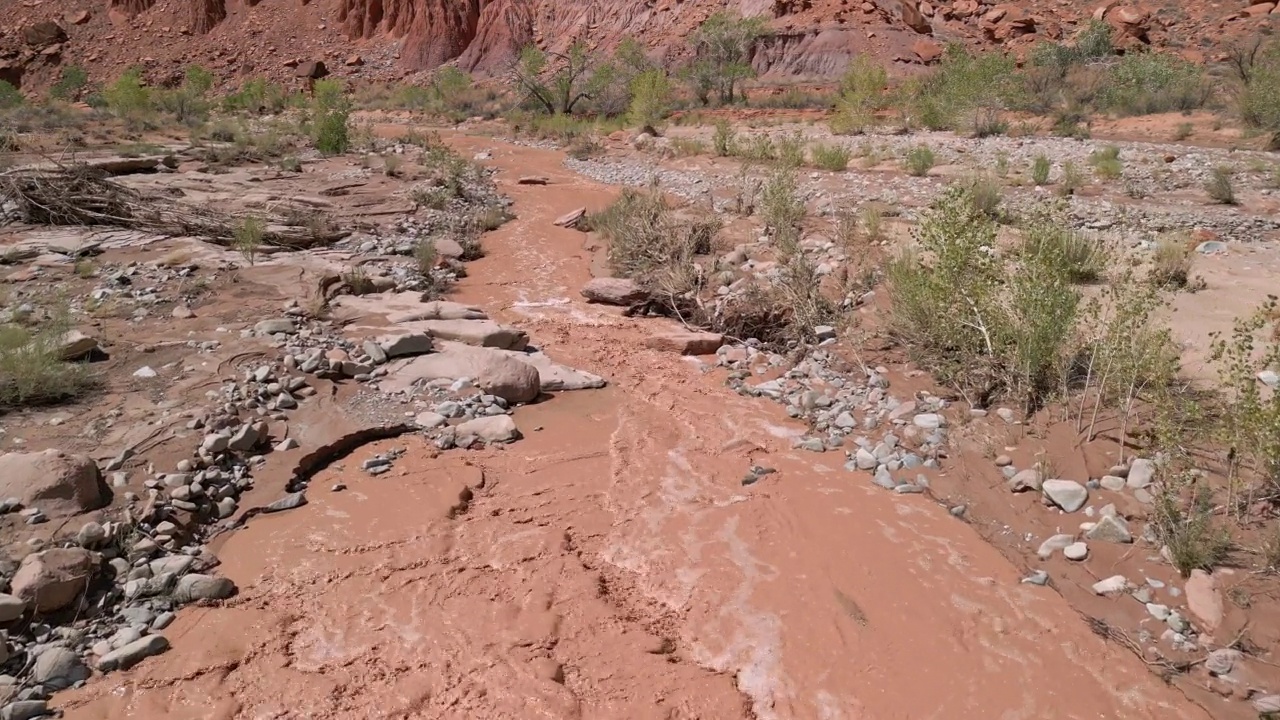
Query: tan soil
<point x="613" y="566"/>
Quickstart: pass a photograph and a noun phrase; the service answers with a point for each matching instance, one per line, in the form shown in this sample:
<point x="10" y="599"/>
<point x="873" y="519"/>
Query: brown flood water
<point x="611" y="565"/>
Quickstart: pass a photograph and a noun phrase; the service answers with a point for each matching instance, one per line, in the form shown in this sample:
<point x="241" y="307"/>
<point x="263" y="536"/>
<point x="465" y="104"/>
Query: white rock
<point x="1066" y="494"/>
<point x="144" y="372"/>
<point x="1111" y="586"/>
<point x="1076" y="551"/>
<point x="1141" y="473"/>
<point x="1053" y="544"/>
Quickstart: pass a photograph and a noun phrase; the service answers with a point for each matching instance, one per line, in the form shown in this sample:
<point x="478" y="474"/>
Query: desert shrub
<point x="651" y="98"/>
<point x="919" y="161"/>
<point x="1107" y="163"/>
<point x="188" y="103"/>
<point x="966" y="92"/>
<point x="724" y="140"/>
<point x="1083" y="256"/>
<point x="833" y="156"/>
<point x="32" y="371"/>
<point x="330" y="123"/>
<point x="71" y="81"/>
<point x="688" y="147"/>
<point x="1220" y="187"/>
<point x="1258" y="98"/>
<point x="1187" y="528"/>
<point x="1183" y="131"/>
<point x="872" y="222"/>
<point x="1071" y="179"/>
<point x="1040" y="170"/>
<point x="782" y="210"/>
<point x="861" y="95"/>
<point x="128" y="96"/>
<point x="985" y="193"/>
<point x="1172" y="262"/>
<point x="789" y="150"/>
<point x="257" y="95"/>
<point x="648" y="243"/>
<point x="1249" y="421"/>
<point x="722" y="49"/>
<point x="10" y="97"/>
<point x="982" y="322"/>
<point x="1147" y="82"/>
<point x="247" y="236"/>
<point x="757" y="148"/>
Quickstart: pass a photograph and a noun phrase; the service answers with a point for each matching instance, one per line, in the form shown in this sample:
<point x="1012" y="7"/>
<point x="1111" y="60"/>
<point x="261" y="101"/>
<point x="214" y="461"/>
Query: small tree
<point x="650" y="98"/>
<point x="723" y="46"/>
<point x="555" y="82"/>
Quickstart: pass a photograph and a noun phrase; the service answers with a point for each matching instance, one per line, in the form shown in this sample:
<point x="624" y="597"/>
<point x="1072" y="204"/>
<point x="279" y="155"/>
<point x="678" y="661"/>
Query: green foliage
<point x="559" y="87"/>
<point x="71" y="81"/>
<point x="650" y="98"/>
<point x="724" y="139"/>
<point x="1106" y="162"/>
<point x="1093" y="43"/>
<point x="1172" y="262"/>
<point x="32" y="371"/>
<point x="10" y="97"/>
<point x="1040" y="170"/>
<point x="128" y="96"/>
<point x="1249" y="423"/>
<point x="833" y="156"/>
<point x="861" y="95"/>
<point x="247" y="236"/>
<point x="722" y="48"/>
<point x="919" y="161"/>
<point x="330" y="123"/>
<point x="1186" y="527"/>
<point x="260" y="97"/>
<point x="966" y="92"/>
<point x="1258" y="101"/>
<point x="646" y="242"/>
<point x="782" y="210"/>
<point x="1148" y="82"/>
<point x="1083" y="257"/>
<point x="188" y="103"/>
<point x="1220" y="187"/>
<point x="790" y="150"/>
<point x="984" y="323"/>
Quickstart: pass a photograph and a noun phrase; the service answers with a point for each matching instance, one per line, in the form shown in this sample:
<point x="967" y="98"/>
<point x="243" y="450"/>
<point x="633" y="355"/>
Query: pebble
<point x="1076" y="551"/>
<point x="144" y="372"/>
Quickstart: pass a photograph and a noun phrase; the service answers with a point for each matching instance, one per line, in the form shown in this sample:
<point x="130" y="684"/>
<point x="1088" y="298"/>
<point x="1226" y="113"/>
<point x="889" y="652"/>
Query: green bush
<point x="861" y="95"/>
<point x="966" y="92"/>
<point x="650" y="98"/>
<point x="1083" y="257"/>
<point x="1106" y="162"/>
<point x="32" y="371"/>
<point x="1148" y="82"/>
<point x="10" y="97"/>
<point x="919" y="161"/>
<point x="833" y="157"/>
<point x="259" y="96"/>
<point x="725" y="139"/>
<point x="1040" y="170"/>
<point x="984" y="323"/>
<point x="128" y="96"/>
<point x="71" y="82"/>
<point x="331" y="114"/>
<point x="1220" y="187"/>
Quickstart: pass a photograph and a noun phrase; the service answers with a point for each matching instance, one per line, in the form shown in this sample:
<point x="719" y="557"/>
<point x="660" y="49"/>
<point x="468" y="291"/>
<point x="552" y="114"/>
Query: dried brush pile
<point x="84" y="196"/>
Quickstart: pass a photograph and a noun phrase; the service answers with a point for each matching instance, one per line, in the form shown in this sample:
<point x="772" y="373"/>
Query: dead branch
<point x="82" y="195"/>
